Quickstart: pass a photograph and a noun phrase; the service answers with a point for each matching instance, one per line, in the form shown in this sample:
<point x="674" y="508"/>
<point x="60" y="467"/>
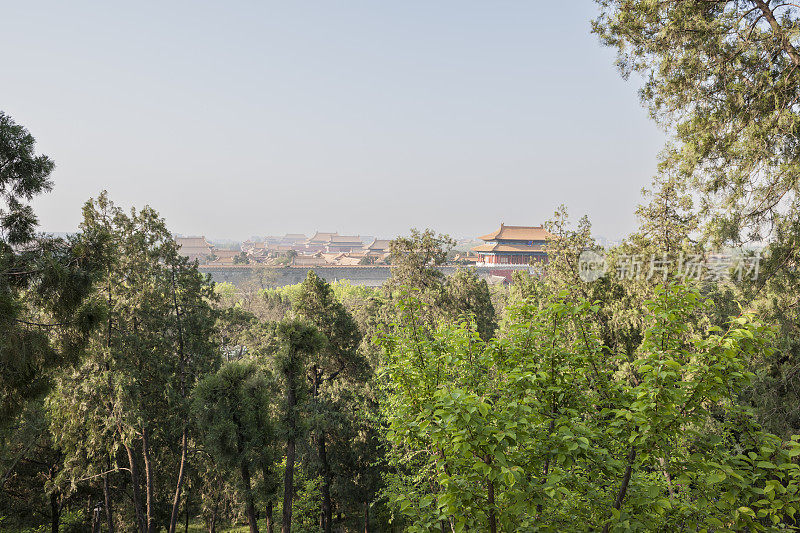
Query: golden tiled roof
<point x="345" y="239"/>
<point x="502" y="247"/>
<point x="379" y="244"/>
<point x="519" y="233"/>
<point x="192" y="242"/>
<point x="322" y="237"/>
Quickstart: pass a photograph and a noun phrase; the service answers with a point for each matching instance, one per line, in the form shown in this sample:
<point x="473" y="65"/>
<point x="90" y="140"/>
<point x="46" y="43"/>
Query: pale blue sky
<point x="242" y="118"/>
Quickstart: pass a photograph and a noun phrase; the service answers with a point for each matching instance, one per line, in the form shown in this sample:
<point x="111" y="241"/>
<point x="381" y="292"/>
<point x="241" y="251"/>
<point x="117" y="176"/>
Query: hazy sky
<point x="251" y="118"/>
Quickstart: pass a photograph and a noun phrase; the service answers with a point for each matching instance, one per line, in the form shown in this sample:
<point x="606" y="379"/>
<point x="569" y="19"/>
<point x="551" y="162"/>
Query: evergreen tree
<point x="723" y="76"/>
<point x="46" y="314"/>
<point x="233" y="412"/>
<point x="336" y="374"/>
<point x="129" y="400"/>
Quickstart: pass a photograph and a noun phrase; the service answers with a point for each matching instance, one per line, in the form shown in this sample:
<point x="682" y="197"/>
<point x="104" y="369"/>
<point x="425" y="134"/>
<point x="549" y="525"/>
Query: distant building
<point x="195" y="248"/>
<point x="333" y="243"/>
<point x="319" y="241"/>
<point x="513" y="245"/>
<point x="466" y="258"/>
<point x="254" y="248"/>
<point x="226" y="257"/>
<point x="378" y="246"/>
<point x="349" y="261"/>
<point x="344" y="243"/>
<point x="297" y="240"/>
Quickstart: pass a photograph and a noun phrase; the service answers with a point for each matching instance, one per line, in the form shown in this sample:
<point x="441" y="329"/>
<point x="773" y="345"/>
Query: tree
<point x="23" y="175"/>
<point x="232" y="408"/>
<point x="415" y="258"/>
<point x="724" y="75"/>
<point x="286" y="347"/>
<point x="415" y="269"/>
<point x="667" y="219"/>
<point x="297" y="343"/>
<point x="338" y="364"/>
<point x="543" y="429"/>
<point x="45" y="313"/>
<point x="466" y="294"/>
<point x="132" y="391"/>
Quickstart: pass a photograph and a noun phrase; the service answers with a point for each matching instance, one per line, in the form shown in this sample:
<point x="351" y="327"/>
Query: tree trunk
<point x="269" y="516"/>
<point x="327" y="511"/>
<point x="212" y="523"/>
<point x="152" y="527"/>
<point x="623" y="488"/>
<point x="288" y="486"/>
<point x="90" y="511"/>
<point x="108" y="503"/>
<point x="250" y="506"/>
<point x="327" y="508"/>
<point x="492" y="517"/>
<point x="490" y="500"/>
<point x="366" y="517"/>
<point x="137" y="495"/>
<point x="96" y="520"/>
<point x="288" y="475"/>
<point x="269" y="495"/>
<point x="55" y="513"/>
<point x="176" y="500"/>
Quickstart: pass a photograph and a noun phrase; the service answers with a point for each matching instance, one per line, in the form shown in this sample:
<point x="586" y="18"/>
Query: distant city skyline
<point x="243" y="119"/>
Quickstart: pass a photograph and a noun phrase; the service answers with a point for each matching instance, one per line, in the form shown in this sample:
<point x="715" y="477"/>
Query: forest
<point x="659" y="393"/>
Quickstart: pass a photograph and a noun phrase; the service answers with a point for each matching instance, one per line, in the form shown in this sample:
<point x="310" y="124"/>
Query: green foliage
<point x="467" y="295"/>
<point x="415" y="258"/>
<point x="232" y="408"/>
<point x="233" y="412"/>
<point x="45" y="312"/>
<point x="415" y="262"/>
<point x="338" y="377"/>
<point x="545" y="429"/>
<point x="724" y="76"/>
<point x="128" y="402"/>
<point x="23" y="175"/>
<point x="317" y="304"/>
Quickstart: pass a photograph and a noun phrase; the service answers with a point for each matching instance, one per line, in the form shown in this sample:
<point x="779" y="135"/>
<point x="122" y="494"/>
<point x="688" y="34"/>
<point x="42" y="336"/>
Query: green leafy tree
<point x="722" y="76"/>
<point x="297" y="342"/>
<point x="544" y="429"/>
<point x="415" y="269"/>
<point x="286" y="348"/>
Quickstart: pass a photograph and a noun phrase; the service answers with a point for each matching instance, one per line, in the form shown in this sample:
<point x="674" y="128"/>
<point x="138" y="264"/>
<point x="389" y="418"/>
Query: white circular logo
<point x="591" y="265"/>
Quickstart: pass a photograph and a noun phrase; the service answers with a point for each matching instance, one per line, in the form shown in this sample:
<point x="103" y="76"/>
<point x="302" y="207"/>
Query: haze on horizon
<point x="242" y="119"/>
